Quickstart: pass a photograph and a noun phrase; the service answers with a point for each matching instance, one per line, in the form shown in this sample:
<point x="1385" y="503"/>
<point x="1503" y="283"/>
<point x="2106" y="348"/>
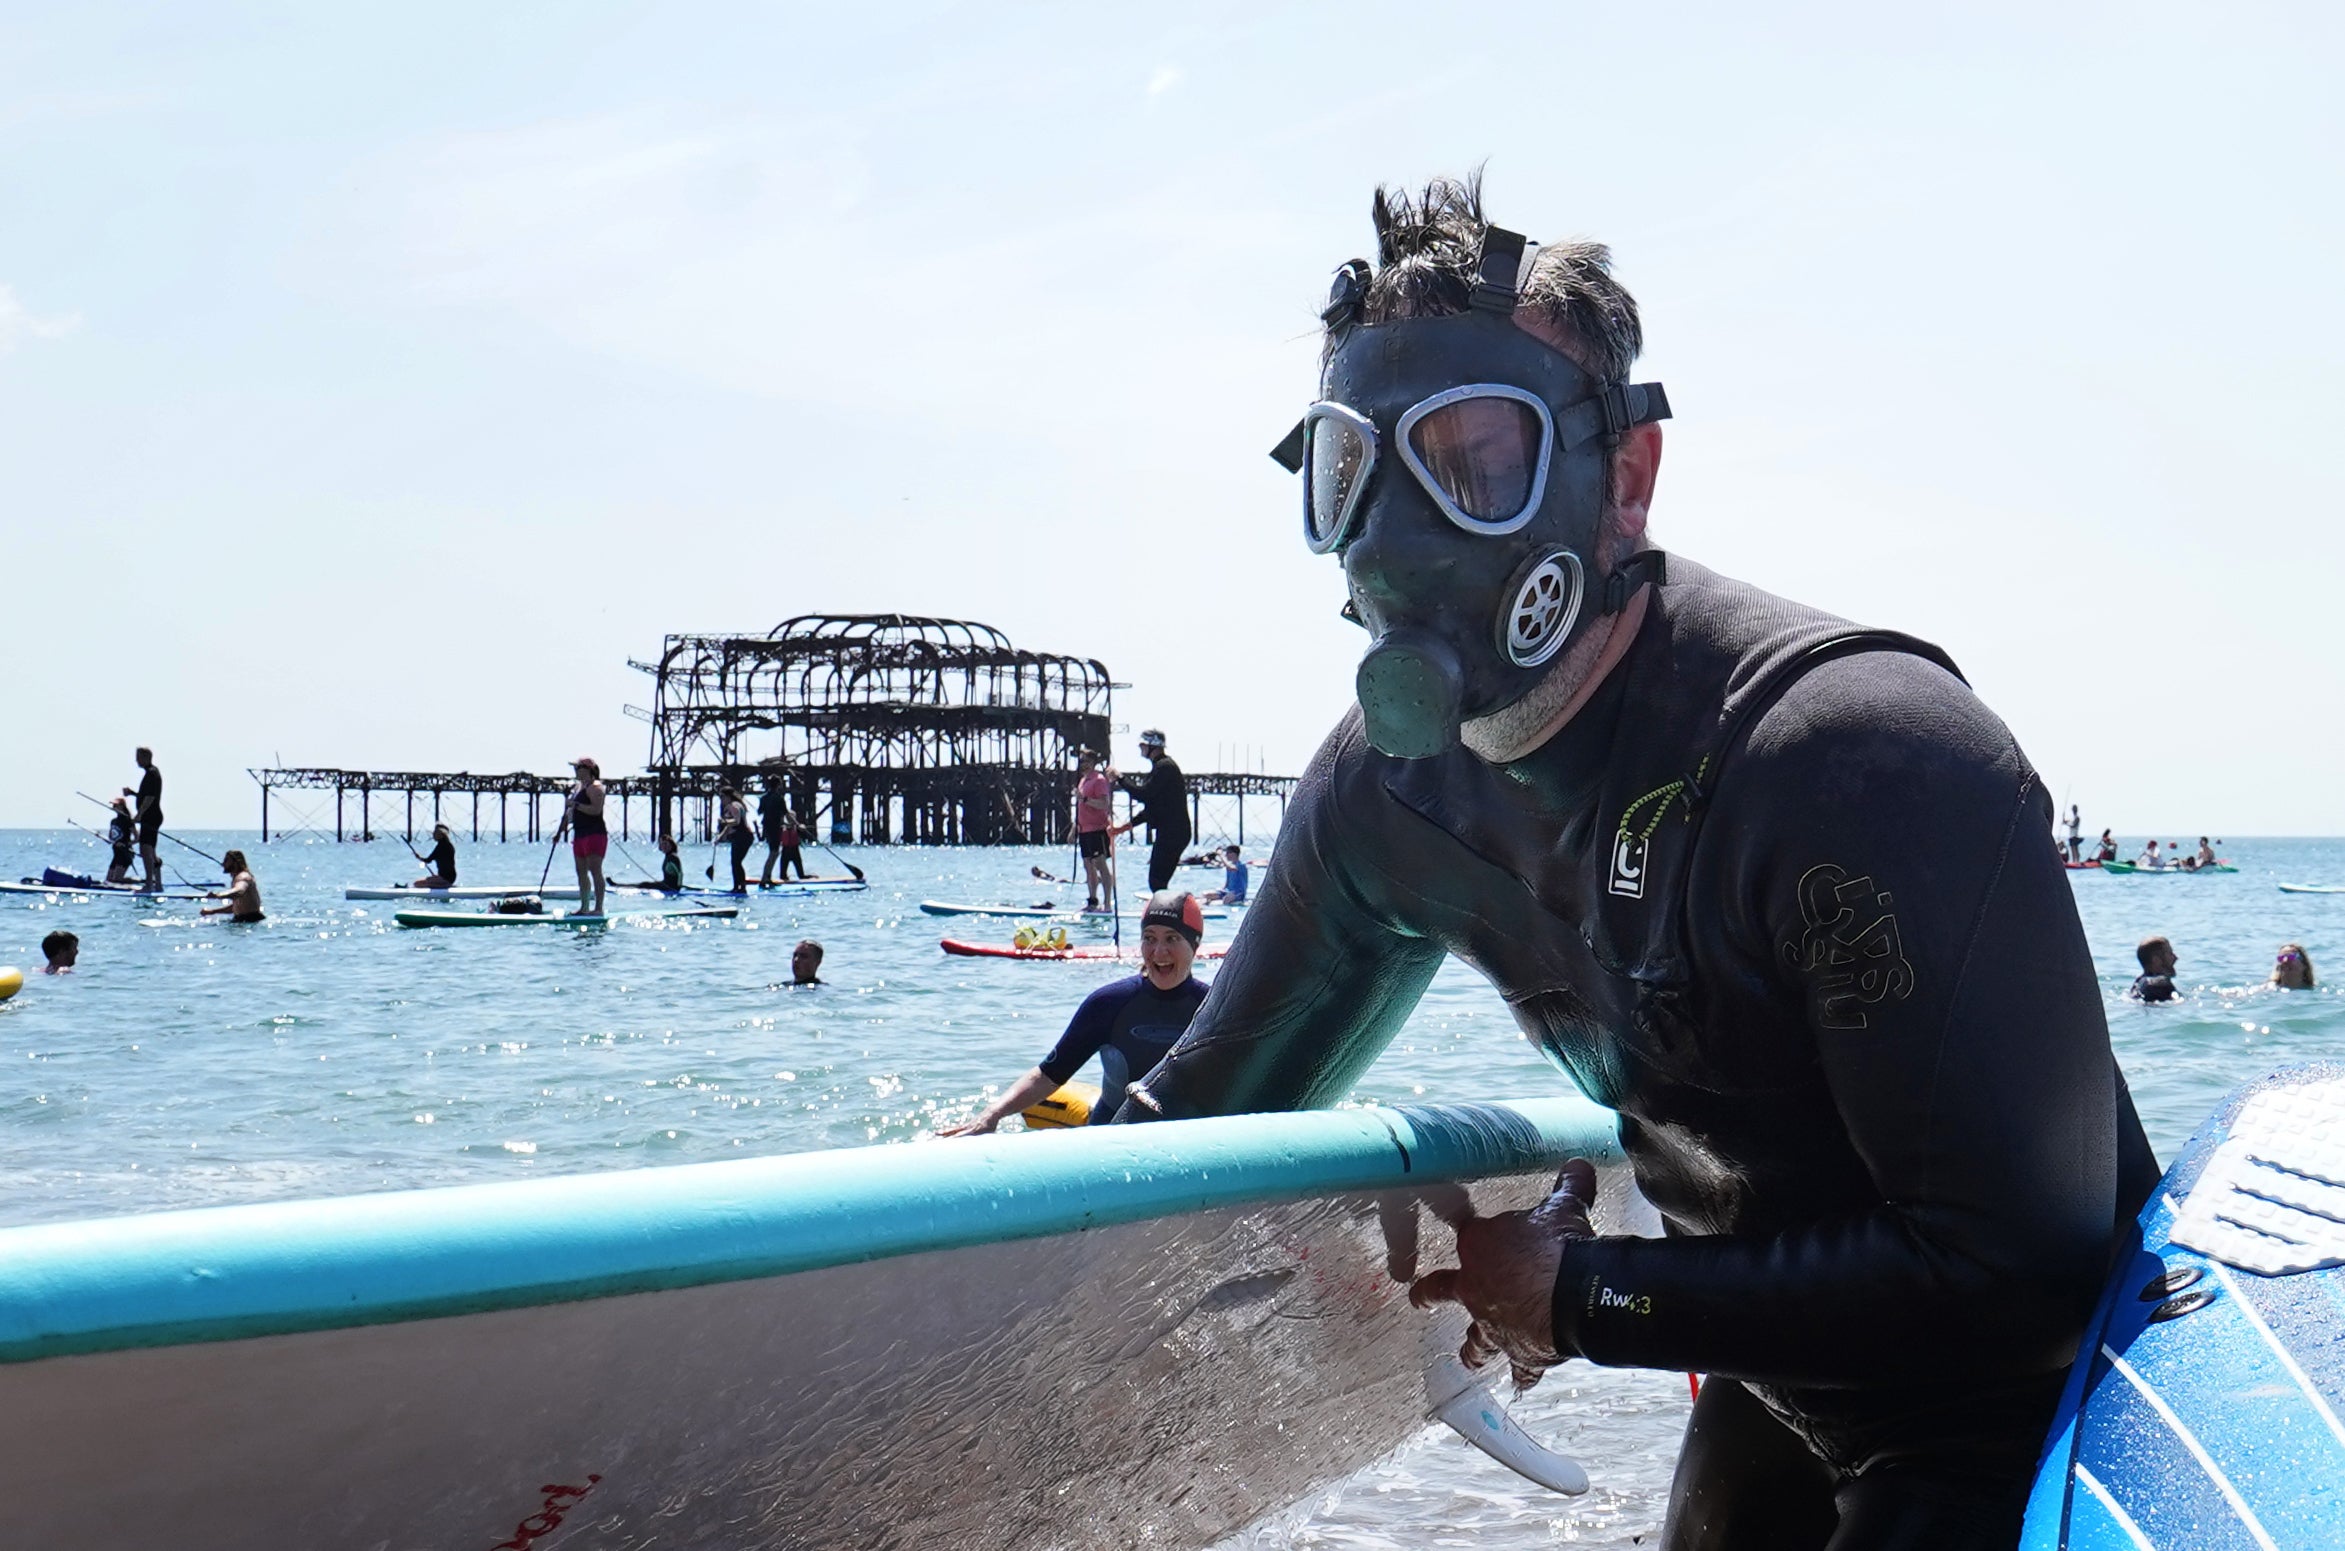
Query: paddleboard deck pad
<point x="870" y="1347"/>
<point x="1004" y="950"/>
<point x="2204" y="1408"/>
<point x="559" y="917"/>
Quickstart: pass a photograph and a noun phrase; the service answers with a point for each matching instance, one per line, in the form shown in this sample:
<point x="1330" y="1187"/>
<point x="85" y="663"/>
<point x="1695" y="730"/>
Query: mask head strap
<point x="1502" y="270"/>
<point x="1646" y="565"/>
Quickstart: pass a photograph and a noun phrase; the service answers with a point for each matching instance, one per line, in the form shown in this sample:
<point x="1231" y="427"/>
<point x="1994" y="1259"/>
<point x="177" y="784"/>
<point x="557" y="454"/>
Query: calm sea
<point x="328" y="1051"/>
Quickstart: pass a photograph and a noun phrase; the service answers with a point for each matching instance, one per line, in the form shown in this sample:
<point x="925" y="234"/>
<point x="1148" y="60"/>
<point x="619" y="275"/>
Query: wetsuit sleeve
<point x="1087" y="1031"/>
<point x="1318" y="980"/>
<point x="1886" y="869"/>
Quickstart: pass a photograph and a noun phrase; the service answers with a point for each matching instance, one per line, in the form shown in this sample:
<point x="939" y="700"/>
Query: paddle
<point x="166" y="834"/>
<point x="833" y="855"/>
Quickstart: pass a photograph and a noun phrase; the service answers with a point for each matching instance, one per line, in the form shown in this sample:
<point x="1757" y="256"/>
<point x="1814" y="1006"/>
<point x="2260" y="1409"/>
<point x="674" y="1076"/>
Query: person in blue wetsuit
<point x="1770" y="885"/>
<point x="1128" y="1024"/>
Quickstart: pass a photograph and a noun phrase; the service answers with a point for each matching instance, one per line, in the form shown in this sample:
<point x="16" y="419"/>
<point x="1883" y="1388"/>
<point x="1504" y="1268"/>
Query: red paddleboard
<point x="1003" y="950"/>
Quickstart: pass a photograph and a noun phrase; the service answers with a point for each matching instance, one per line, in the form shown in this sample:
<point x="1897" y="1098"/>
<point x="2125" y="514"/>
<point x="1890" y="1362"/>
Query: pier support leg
<point x="337" y="813"/>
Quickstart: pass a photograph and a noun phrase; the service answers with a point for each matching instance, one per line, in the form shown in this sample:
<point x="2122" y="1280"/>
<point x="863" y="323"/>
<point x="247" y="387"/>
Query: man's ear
<point x="1636" y="464"/>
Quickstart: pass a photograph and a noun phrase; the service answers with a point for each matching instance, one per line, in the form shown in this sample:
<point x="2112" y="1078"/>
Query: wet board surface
<point x="561" y="918"/>
<point x="2312" y="888"/>
<point x="2204" y="1410"/>
<point x="1181" y="1327"/>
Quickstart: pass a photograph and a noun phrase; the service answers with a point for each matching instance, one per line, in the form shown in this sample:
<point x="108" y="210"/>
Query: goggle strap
<point x="1616" y="409"/>
<point x="1502" y="270"/>
<point x="1288" y="454"/>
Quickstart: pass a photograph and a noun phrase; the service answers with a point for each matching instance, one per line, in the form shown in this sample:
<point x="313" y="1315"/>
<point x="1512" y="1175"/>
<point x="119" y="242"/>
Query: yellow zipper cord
<point x="1660" y="798"/>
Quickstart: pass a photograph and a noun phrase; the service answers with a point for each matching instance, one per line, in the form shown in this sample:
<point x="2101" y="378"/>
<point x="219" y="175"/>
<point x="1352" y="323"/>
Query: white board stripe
<point x="2124" y="1520"/>
<point x="2319" y="1401"/>
<point x="2206" y="1461"/>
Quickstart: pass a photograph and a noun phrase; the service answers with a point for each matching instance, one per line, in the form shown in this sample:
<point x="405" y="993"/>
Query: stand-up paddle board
<point x="459" y="891"/>
<point x="83" y="883"/>
<point x="2312" y="888"/>
<point x="1005" y="950"/>
<point x="754" y="891"/>
<point x="74" y="891"/>
<point x="1124" y="1335"/>
<point x="579" y="919"/>
<point x="2134" y="870"/>
<point x="1045" y="912"/>
<point x="2204" y="1408"/>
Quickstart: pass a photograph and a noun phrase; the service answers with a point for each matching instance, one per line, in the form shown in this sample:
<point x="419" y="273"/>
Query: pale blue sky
<point x="460" y="351"/>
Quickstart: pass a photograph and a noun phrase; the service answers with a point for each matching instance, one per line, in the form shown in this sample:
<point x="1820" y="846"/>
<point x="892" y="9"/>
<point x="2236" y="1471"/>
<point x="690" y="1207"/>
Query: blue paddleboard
<point x="2204" y="1408"/>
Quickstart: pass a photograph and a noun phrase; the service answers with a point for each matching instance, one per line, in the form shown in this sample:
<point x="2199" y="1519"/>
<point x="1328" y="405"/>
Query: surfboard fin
<point x="1456" y="1397"/>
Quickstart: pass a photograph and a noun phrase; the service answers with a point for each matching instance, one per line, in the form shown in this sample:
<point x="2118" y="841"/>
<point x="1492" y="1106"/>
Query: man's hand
<point x="1506" y="1276"/>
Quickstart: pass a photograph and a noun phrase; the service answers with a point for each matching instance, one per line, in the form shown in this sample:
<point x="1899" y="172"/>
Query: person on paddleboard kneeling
<point x="1766" y="883"/>
<point x="1128" y="1024"/>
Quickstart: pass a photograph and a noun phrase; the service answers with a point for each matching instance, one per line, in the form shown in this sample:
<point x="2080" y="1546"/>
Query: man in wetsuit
<point x="1764" y="882"/>
<point x="149" y="813"/>
<point x="1128" y="1024"/>
<point x="2155" y="983"/>
<point x="1163" y="799"/>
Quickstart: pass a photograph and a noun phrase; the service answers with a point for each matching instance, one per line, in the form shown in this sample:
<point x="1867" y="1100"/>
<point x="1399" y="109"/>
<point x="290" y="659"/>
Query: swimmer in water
<point x="1850" y="1023"/>
<point x="2155" y="983"/>
<point x="1127" y="1024"/>
<point x="2292" y="970"/>
<point x="806" y="964"/>
<point x="243" y="895"/>
<point x="60" y="950"/>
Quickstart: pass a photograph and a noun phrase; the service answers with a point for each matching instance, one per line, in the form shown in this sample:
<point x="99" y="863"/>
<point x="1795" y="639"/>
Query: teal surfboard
<point x="1098" y="1337"/>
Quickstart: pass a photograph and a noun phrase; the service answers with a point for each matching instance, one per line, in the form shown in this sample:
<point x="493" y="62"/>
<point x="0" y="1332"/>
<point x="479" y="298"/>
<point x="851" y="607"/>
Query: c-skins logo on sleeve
<point x="1850" y="950"/>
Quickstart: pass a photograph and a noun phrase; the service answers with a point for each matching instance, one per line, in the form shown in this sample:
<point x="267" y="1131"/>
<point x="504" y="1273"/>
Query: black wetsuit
<point x="2150" y="987"/>
<point x="1164" y="808"/>
<point x="1777" y="895"/>
<point x="1129" y="1025"/>
<point x="149" y="806"/>
<point x="121" y="833"/>
<point x="441" y="863"/>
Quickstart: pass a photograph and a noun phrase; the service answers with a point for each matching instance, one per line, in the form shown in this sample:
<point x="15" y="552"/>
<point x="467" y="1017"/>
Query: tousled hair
<point x="1428" y="244"/>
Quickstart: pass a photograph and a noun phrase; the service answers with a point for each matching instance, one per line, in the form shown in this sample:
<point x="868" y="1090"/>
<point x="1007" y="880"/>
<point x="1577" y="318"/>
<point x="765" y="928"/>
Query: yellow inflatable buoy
<point x="12" y="981"/>
<point x="1068" y="1105"/>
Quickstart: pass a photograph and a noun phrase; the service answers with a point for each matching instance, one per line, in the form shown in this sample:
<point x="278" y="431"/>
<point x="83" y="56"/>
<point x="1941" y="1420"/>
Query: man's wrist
<point x="1575" y="1290"/>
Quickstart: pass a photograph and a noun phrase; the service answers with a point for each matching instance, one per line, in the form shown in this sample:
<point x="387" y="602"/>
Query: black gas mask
<point x="1460" y="468"/>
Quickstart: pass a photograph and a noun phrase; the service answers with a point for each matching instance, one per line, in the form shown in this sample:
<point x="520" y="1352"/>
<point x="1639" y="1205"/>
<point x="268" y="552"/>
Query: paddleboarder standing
<point x="1765" y="883"/>
<point x="1162" y="797"/>
<point x="590" y="837"/>
<point x="149" y="814"/>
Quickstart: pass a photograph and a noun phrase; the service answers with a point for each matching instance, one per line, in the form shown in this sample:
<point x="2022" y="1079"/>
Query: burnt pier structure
<point x="879" y="727"/>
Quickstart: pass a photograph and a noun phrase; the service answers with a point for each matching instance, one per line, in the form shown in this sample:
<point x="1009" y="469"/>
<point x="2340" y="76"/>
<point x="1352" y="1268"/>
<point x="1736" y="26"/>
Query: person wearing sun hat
<point x="1127" y="1024"/>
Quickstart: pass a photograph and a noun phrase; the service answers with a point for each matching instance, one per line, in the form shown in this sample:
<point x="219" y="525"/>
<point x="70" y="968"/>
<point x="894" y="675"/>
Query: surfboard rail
<point x="234" y="1272"/>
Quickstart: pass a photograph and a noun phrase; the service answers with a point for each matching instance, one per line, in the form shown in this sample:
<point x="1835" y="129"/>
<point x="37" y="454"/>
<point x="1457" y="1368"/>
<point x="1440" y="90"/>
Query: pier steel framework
<point x="883" y="726"/>
<point x="879" y="727"/>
